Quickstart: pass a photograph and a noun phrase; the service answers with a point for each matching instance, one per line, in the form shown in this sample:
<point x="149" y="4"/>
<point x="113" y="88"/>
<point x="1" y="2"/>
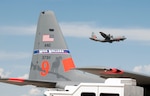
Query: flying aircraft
<point x="52" y="65"/>
<point x="108" y="38"/>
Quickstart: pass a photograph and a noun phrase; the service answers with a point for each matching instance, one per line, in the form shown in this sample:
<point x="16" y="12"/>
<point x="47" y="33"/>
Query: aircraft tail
<point x="51" y="57"/>
<point x="93" y="35"/>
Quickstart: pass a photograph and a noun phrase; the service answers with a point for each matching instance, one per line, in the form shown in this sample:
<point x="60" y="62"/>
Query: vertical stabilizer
<point x="51" y="57"/>
<point x="93" y="35"/>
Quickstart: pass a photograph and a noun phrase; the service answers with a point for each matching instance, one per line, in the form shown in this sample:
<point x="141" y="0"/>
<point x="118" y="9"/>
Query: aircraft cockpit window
<point x="87" y="94"/>
<point x="109" y="94"/>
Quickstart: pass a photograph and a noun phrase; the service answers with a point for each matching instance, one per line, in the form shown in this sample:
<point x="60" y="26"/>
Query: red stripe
<point x="113" y="71"/>
<point x="16" y="80"/>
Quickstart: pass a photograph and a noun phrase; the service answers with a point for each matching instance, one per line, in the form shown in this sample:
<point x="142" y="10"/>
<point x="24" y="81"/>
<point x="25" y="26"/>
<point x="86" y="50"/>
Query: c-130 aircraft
<point x="107" y="38"/>
<point x="52" y="65"/>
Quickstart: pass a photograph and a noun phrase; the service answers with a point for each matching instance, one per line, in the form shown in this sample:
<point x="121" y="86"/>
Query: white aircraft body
<point x="107" y="38"/>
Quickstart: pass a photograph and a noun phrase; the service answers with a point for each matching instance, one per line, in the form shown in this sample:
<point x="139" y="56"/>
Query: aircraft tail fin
<point x="51" y="57"/>
<point x="93" y="35"/>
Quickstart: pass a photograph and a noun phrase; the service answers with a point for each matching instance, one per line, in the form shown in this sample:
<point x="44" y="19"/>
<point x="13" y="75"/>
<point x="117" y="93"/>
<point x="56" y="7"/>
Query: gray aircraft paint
<point x="53" y="49"/>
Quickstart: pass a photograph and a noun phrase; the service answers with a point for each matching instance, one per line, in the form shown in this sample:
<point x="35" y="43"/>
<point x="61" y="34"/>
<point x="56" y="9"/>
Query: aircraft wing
<point x="107" y="37"/>
<point x="21" y="82"/>
<point x="142" y="80"/>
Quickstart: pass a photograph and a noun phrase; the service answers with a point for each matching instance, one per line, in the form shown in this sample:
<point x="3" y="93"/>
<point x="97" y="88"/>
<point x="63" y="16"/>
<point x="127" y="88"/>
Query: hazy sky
<point x="77" y="19"/>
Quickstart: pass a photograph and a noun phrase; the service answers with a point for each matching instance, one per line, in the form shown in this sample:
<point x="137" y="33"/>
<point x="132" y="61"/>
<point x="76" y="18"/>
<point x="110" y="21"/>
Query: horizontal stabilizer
<point x="21" y="82"/>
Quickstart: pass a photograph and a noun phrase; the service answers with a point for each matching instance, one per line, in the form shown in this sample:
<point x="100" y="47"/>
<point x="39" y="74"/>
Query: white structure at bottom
<point x="111" y="87"/>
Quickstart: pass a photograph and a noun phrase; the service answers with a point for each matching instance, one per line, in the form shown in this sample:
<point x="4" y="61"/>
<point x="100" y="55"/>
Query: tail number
<point x="45" y="67"/>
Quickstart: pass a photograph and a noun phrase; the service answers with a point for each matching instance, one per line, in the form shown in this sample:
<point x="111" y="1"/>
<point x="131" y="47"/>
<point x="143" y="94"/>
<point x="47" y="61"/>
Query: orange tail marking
<point x="68" y="64"/>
